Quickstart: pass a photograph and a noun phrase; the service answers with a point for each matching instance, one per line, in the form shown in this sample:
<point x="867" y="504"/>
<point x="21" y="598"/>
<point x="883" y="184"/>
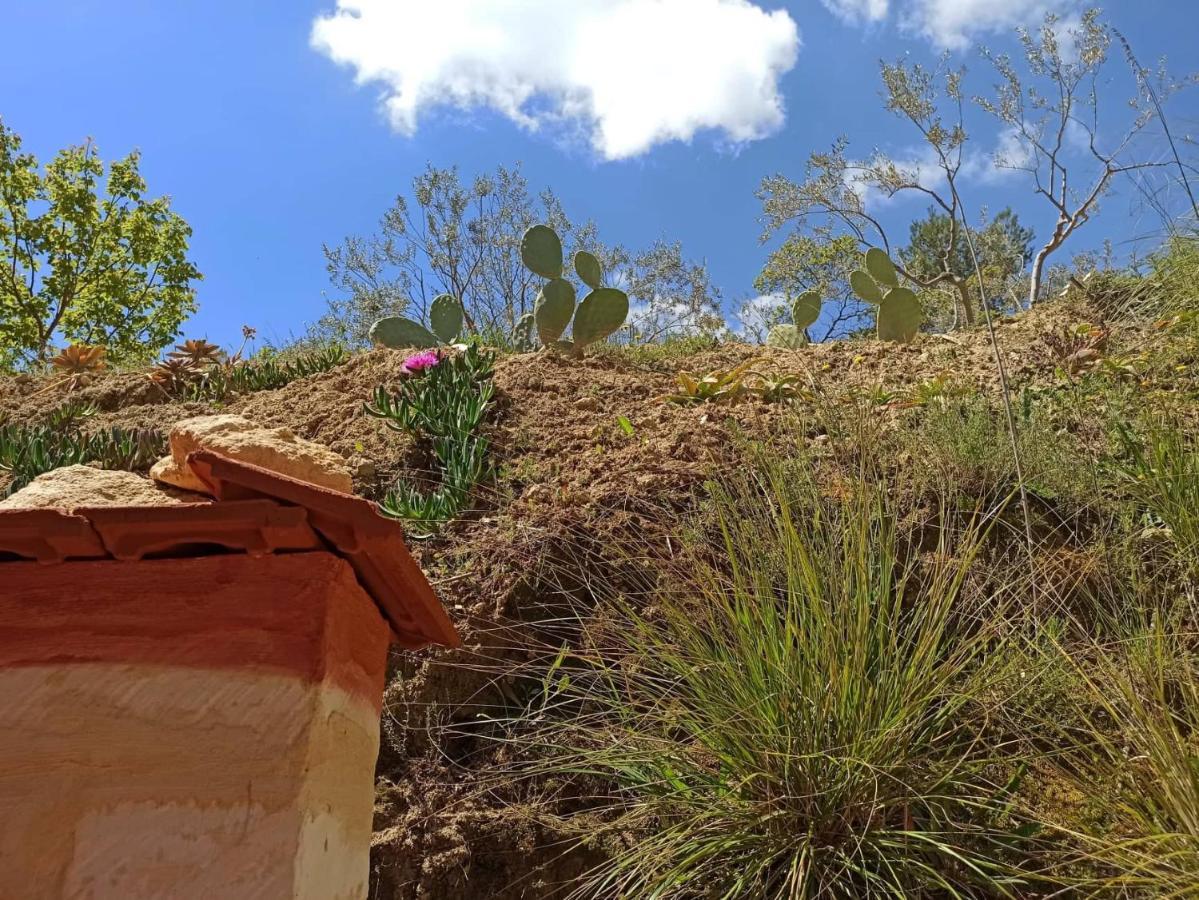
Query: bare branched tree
<point x="1052" y="117"/>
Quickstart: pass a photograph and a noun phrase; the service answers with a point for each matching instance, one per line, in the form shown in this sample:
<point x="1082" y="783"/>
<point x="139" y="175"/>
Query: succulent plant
<point x="899" y="312"/>
<point x="445" y="327"/>
<point x="200" y="354"/>
<point x="600" y="314"/>
<point x="524" y="335"/>
<point x="80" y="364"/>
<point x="786" y="337"/>
<point x="806" y="310"/>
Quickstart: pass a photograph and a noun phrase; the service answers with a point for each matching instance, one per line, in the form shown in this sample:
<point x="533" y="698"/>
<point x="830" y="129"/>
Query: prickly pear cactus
<point x="899" y="312"/>
<point x="599" y="316"/>
<point x="398" y="332"/>
<point x="445" y="318"/>
<point x="786" y="337"/>
<point x="555" y="306"/>
<point x="806" y="310"/>
<point x="587" y="267"/>
<point x="601" y="313"/>
<point x="541" y="251"/>
<point x="524" y="335"/>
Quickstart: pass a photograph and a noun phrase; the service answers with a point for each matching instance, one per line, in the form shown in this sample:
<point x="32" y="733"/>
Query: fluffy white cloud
<point x="858" y="10"/>
<point x="631" y="73"/>
<point x="955" y="24"/>
<point x="952" y="24"/>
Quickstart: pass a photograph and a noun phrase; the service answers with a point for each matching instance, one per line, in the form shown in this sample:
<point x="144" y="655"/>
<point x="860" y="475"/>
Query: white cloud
<point x="954" y="24"/>
<point x="631" y="73"/>
<point x="858" y="10"/>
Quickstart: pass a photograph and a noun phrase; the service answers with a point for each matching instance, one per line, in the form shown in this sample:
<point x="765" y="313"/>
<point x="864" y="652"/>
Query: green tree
<point x="86" y="257"/>
<point x="1004" y="246"/>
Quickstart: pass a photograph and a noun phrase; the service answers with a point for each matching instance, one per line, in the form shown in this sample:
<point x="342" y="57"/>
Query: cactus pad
<point x="587" y="267"/>
<point x="555" y="306"/>
<point x="865" y="287"/>
<point x="787" y="337"/>
<point x="445" y="318"/>
<point x="541" y="251"/>
<point x="600" y="315"/>
<point x="806" y="310"/>
<point x="899" y="316"/>
<point x="880" y="267"/>
<point x="399" y="332"/>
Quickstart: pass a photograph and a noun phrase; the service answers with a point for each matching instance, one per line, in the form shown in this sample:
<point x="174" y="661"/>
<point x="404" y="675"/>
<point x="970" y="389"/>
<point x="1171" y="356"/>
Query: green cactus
<point x="899" y="312"/>
<point x="587" y="267"/>
<point x="554" y="309"/>
<point x="541" y="251"/>
<point x="524" y="335"/>
<point x="398" y="332"/>
<point x="599" y="316"/>
<point x="786" y="337"/>
<point x="806" y="310"/>
<point x="445" y="318"/>
<point x="899" y="316"/>
<point x="601" y="313"/>
<point x="880" y="267"/>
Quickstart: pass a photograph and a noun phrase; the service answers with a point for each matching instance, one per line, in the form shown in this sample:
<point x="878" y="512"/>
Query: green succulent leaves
<point x="880" y="267"/>
<point x="602" y="312"/>
<point x="899" y="312"/>
<point x="786" y="337"/>
<point x="899" y="316"/>
<point x="541" y="251"/>
<point x="399" y="332"/>
<point x="445" y="318"/>
<point x="865" y="287"/>
<point x="555" y="306"/>
<point x="600" y="315"/>
<point x="587" y="267"/>
<point x="806" y="310"/>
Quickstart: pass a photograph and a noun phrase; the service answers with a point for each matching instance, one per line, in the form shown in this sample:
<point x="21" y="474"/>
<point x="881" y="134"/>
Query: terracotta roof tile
<point x="259" y="512"/>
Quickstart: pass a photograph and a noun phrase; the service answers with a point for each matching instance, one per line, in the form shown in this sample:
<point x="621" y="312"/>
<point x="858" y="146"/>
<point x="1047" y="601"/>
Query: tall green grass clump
<point x="1137" y="758"/>
<point x="794" y="716"/>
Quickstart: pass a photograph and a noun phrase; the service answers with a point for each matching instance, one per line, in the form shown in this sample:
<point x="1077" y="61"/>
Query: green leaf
<point x="865" y="287"/>
<point x="899" y="316"/>
<point x="553" y="310"/>
<point x="445" y="317"/>
<point x="880" y="267"/>
<point x="588" y="269"/>
<point x="541" y="251"/>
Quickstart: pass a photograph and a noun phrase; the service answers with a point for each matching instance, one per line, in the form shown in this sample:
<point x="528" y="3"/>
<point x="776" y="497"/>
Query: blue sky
<point x="268" y="147"/>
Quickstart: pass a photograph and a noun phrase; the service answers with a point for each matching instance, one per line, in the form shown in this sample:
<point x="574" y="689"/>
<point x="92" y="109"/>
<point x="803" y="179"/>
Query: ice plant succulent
<point x="419" y="363"/>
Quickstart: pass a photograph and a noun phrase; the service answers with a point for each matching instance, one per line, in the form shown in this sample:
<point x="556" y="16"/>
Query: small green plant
<point x="1161" y="471"/>
<point x="446" y="317"/>
<point x="899" y="311"/>
<point x="27" y="451"/>
<point x="804" y="313"/>
<point x="444" y="404"/>
<point x="715" y="387"/>
<point x="181" y="376"/>
<point x="601" y="313"/>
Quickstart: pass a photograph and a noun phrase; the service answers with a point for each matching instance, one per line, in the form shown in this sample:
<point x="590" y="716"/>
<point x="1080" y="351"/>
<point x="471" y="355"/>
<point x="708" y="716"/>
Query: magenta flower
<point x="419" y="363"/>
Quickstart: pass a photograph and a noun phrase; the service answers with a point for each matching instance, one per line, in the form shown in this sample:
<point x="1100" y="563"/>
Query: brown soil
<point x="569" y="477"/>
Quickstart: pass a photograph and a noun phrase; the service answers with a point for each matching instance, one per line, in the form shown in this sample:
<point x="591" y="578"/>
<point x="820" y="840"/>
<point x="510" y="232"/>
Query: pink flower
<point x="419" y="363"/>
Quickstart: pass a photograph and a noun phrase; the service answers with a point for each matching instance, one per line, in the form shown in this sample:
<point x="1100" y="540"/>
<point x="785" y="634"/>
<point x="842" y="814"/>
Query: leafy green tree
<point x="86" y="257"/>
<point x="1004" y="246"/>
